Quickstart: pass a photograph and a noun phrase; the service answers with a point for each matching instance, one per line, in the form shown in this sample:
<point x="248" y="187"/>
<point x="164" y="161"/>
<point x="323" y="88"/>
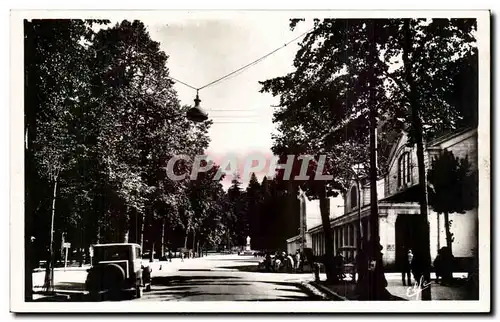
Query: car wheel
<point x="112" y="278"/>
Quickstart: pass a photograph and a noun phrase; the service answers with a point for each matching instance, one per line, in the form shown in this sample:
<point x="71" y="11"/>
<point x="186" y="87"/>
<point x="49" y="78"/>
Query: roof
<point x="431" y="145"/>
<point x="449" y="136"/>
<point x="116" y="244"/>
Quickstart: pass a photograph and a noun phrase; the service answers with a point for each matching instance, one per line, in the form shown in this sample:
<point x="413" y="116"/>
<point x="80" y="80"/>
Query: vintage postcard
<point x="250" y="161"/>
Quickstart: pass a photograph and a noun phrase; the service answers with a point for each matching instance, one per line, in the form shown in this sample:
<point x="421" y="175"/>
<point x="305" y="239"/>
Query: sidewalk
<point x="73" y="278"/>
<point x="347" y="291"/>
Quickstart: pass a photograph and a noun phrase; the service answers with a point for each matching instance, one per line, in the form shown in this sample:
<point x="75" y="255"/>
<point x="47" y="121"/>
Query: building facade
<point x="398" y="206"/>
<point x="310" y="217"/>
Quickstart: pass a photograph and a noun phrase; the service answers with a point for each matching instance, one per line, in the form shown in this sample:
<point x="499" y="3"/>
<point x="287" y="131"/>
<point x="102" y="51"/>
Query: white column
<point x="356" y="232"/>
<point x="335" y="246"/>
<point x="348" y="228"/>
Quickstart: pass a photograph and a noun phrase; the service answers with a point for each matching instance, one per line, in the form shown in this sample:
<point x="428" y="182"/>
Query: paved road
<point x="211" y="278"/>
<point x="227" y="278"/>
<point x="224" y="278"/>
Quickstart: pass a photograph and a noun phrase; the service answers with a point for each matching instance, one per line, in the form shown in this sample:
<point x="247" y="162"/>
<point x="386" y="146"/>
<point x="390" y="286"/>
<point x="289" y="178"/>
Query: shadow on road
<point x="71" y="286"/>
<point x="250" y="260"/>
<point x="207" y="287"/>
<point x="287" y="298"/>
<point x="256" y="269"/>
<point x="244" y="268"/>
<point x="176" y="279"/>
<point x="84" y="297"/>
<point x="203" y="287"/>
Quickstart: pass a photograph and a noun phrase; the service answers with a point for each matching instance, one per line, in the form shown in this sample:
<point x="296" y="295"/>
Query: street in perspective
<point x="255" y="158"/>
<point x="215" y="277"/>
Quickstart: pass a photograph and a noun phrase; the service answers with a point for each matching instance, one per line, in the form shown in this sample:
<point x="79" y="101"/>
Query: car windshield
<point x="111" y="253"/>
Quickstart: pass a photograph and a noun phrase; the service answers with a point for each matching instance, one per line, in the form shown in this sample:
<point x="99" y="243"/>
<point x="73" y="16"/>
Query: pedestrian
<point x="277" y="261"/>
<point x="416" y="266"/>
<point x="170" y="255"/>
<point x="447" y="266"/>
<point x="146" y="277"/>
<point x="182" y="256"/>
<point x="290" y="265"/>
<point x="438" y="266"/>
<point x="406" y="267"/>
<point x="339" y="265"/>
<point x="298" y="260"/>
<point x="268" y="262"/>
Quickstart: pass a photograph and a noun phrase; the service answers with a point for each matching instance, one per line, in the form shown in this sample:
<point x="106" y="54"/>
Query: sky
<point x="203" y="49"/>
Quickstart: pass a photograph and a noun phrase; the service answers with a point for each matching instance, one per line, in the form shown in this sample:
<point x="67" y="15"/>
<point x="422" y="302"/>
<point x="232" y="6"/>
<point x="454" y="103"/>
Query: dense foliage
<point x="408" y="71"/>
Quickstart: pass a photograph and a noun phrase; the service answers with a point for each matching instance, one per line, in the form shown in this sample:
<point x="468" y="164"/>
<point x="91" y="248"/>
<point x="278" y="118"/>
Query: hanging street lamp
<point x="196" y="113"/>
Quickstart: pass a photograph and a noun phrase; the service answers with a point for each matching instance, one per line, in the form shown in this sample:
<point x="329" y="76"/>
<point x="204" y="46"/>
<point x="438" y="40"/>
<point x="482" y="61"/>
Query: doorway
<point x="406" y="236"/>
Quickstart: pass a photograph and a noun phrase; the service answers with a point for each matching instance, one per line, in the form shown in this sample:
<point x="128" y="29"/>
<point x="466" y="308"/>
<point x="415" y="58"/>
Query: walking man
<point x="406" y="269"/>
<point x="298" y="260"/>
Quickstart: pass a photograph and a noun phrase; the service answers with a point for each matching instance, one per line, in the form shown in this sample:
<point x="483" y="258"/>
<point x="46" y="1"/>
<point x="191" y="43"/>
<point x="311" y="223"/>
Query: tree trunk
<point x="163" y="238"/>
<point x="126" y="226"/>
<point x="194" y="245"/>
<point x="324" y="206"/>
<point x="126" y="235"/>
<point x="372" y="282"/>
<point x="448" y="232"/>
<point x="141" y="238"/>
<point x="49" y="272"/>
<point x="152" y="255"/>
<point x="422" y="255"/>
<point x="186" y="240"/>
<point x="438" y="233"/>
<point x="98" y="233"/>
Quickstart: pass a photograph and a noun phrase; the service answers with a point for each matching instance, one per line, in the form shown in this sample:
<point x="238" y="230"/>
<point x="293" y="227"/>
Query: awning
<point x="405" y="195"/>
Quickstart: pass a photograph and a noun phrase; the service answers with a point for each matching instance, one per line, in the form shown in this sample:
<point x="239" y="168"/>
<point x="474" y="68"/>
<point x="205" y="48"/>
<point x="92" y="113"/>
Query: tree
<point x="254" y="203"/>
<point x="453" y="188"/>
<point x="102" y="121"/>
<point x="143" y="124"/>
<point x="56" y="76"/>
<point x="345" y="66"/>
<point x="442" y="41"/>
<point x="239" y="221"/>
<point x="314" y="106"/>
<point x="204" y="197"/>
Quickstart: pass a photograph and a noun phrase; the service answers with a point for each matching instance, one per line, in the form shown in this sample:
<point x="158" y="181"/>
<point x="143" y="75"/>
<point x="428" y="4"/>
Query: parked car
<point x="116" y="268"/>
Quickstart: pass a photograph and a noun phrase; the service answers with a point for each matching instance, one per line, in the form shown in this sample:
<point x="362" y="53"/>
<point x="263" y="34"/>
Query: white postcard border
<point x="17" y="303"/>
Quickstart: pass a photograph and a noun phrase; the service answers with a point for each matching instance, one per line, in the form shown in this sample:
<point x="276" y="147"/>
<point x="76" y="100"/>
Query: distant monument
<point x="248" y="243"/>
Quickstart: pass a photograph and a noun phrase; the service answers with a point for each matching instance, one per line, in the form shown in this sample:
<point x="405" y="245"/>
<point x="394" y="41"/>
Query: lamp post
<point x="359" y="236"/>
<point x="302" y="218"/>
<point x="375" y="279"/>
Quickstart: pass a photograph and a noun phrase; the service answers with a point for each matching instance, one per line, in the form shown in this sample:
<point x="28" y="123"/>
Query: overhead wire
<point x="245" y="66"/>
<point x="235" y="73"/>
<point x="182" y="83"/>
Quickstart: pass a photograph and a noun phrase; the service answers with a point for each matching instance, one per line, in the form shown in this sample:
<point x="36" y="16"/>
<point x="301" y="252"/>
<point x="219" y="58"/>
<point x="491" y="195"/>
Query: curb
<point x="315" y="291"/>
<point x="329" y="293"/>
<point x="61" y="292"/>
<point x="61" y="269"/>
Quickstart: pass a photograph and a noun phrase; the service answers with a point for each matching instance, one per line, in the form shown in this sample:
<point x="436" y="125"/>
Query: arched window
<point x="354" y="197"/>
<point x="404" y="171"/>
